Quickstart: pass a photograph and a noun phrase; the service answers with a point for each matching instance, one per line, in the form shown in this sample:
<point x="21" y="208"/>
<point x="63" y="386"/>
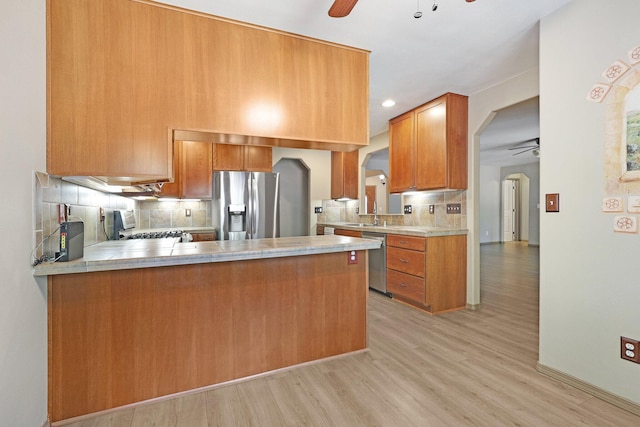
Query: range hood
<point x="119" y="186"/>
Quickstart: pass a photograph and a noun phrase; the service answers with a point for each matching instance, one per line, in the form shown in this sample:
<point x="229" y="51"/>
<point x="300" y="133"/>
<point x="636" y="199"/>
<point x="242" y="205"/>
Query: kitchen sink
<point x="358" y="224"/>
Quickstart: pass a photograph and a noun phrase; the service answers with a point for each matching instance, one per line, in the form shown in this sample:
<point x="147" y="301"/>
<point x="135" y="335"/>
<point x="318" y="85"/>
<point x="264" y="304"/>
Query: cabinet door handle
<point x="403" y="285"/>
<point x="404" y="261"/>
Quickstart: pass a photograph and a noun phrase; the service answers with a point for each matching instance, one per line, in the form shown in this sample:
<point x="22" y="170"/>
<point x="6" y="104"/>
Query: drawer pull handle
<point x="404" y="261"/>
<point x="403" y="285"/>
<point x="404" y="242"/>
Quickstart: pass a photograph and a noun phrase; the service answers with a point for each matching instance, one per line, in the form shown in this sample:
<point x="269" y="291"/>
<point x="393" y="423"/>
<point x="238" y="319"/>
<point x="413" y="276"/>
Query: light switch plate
<point x="553" y="202"/>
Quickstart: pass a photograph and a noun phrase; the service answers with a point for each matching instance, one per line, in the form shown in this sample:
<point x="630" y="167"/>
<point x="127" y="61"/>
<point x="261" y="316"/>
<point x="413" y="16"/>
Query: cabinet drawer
<point x="411" y="262"/>
<point x="405" y="285"/>
<point x="406" y="242"/>
<point x="352" y="233"/>
<point x="203" y="237"/>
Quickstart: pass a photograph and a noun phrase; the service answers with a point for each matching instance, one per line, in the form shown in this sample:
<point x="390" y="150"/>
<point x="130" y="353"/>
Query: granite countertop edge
<point x="118" y="255"/>
<point x="406" y="230"/>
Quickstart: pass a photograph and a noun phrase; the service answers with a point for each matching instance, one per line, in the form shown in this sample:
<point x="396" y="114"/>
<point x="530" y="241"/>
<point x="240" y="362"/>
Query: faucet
<point x="375" y="213"/>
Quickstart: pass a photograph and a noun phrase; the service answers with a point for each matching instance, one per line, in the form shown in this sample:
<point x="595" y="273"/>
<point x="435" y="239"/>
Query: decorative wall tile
<point x="612" y="204"/>
<point x="615" y="71"/>
<point x="625" y="224"/>
<point x="633" y="204"/>
<point x="598" y="92"/>
<point x="634" y="55"/>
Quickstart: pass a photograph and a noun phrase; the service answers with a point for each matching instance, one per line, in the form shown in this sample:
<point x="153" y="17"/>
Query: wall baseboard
<point x="490" y="243"/>
<point x="474" y="307"/>
<point x="46" y="423"/>
<point x="614" y="399"/>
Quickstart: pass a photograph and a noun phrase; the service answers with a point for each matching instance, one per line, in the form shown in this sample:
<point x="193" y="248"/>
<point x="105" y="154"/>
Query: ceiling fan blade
<point x="341" y="8"/>
<point x="520" y="148"/>
<point x="524" y="151"/>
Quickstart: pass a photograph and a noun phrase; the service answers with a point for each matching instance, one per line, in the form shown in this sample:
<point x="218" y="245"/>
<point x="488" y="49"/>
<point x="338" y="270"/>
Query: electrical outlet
<point x="101" y="218"/>
<point x="353" y="257"/>
<point x="629" y="349"/>
<point x="408" y="209"/>
<point x="432" y="209"/>
<point x="454" y="208"/>
<point x="317" y="210"/>
<point x="187" y="212"/>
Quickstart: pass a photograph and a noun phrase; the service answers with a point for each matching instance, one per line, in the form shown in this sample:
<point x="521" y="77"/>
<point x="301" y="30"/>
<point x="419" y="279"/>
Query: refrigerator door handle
<point x="253" y="197"/>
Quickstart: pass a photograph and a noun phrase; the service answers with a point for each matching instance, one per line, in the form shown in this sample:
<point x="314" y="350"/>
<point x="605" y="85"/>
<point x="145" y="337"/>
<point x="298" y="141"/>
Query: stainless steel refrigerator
<point x="245" y="205"/>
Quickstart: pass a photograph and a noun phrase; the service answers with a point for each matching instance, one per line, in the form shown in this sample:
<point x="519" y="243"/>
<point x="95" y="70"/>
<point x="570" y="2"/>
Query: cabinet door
<point x="401" y="153"/>
<point x="431" y="146"/>
<point x="257" y="159"/>
<point x="173" y="189"/>
<point x="228" y="157"/>
<point x="195" y="169"/>
<point x="344" y="175"/>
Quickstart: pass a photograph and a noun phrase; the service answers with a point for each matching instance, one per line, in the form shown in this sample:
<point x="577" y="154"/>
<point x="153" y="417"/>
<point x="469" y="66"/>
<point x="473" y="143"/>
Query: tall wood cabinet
<point x="123" y="75"/>
<point x="344" y="175"/>
<point x="428" y="146"/>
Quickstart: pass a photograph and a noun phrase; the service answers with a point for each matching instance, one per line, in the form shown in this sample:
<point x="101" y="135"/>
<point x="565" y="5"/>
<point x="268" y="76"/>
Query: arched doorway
<point x="294" y="197"/>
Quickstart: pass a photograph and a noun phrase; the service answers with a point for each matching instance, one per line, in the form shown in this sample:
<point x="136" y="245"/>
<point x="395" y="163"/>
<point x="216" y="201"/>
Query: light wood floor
<point x="456" y="369"/>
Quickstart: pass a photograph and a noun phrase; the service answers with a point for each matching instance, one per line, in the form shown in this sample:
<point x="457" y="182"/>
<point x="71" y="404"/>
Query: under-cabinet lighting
<point x="172" y="199"/>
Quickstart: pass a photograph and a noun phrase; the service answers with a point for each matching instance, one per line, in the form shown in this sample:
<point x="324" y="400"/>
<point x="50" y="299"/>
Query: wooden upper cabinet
<point x="428" y="146"/>
<point x="344" y="175"/>
<point x="402" y="153"/>
<point x="123" y="75"/>
<point x="192" y="171"/>
<point x="228" y="157"/>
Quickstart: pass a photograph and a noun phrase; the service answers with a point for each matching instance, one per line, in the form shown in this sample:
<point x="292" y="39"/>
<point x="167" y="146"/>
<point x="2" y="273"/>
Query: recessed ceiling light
<point x="389" y="103"/>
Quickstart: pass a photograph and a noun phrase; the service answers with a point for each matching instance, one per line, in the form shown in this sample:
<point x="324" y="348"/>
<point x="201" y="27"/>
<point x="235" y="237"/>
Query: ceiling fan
<point x="341" y="8"/>
<point x="524" y="148"/>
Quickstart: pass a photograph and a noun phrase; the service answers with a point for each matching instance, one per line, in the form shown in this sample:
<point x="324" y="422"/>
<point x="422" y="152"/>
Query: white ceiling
<point x="461" y="47"/>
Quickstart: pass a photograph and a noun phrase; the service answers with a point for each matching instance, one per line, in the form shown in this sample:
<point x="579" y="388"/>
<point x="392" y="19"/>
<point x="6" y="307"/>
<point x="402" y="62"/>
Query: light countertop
<point x="406" y="230"/>
<point x="143" y="253"/>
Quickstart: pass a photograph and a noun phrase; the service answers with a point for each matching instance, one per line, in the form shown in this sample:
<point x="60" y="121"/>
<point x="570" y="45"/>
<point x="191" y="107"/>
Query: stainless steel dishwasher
<point x="378" y="263"/>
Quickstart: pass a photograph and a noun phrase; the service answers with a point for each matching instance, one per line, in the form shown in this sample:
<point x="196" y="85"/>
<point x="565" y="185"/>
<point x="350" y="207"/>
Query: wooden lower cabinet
<point x="345" y="232"/>
<point x="203" y="237"/>
<point x="430" y="273"/>
<point x="126" y="336"/>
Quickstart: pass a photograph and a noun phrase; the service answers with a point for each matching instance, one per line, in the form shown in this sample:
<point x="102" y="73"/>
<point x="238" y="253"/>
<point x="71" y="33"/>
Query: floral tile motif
<point x="598" y="92"/>
<point x="612" y="204"/>
<point x="634" y="55"/>
<point x="625" y="224"/>
<point x="615" y="71"/>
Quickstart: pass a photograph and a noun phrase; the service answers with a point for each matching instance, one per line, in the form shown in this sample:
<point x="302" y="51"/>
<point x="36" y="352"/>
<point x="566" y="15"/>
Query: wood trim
<point x="119" y="337"/>
<point x="614" y="399"/>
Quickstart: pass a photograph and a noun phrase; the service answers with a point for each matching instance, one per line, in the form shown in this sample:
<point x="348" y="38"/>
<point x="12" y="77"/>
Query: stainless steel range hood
<point x="118" y="186"/>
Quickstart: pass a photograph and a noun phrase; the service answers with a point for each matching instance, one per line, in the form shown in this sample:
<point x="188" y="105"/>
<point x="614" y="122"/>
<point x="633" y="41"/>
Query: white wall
<point x="23" y="306"/>
<point x="482" y="108"/>
<point x="489" y="204"/>
<point x="589" y="275"/>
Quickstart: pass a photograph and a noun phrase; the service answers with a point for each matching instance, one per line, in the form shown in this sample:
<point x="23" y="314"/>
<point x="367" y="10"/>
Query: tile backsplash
<point x="84" y="205"/>
<point x="157" y="214"/>
<point x="347" y="211"/>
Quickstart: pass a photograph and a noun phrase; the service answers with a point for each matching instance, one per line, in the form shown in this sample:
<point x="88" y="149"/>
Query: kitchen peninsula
<point x="206" y="313"/>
